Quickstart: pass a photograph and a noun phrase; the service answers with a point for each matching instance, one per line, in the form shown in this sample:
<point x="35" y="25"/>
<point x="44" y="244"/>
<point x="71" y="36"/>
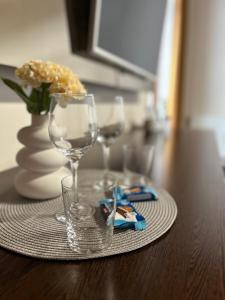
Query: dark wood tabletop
<point x="186" y="263"/>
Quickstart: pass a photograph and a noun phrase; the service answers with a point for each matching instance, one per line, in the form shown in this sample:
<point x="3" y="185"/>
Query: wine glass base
<point x="133" y="179"/>
<point x="60" y="218"/>
<point x="102" y="185"/>
<point x="84" y="211"/>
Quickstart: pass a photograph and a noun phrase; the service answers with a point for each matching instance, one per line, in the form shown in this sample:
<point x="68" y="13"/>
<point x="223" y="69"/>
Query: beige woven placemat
<point x="29" y="227"/>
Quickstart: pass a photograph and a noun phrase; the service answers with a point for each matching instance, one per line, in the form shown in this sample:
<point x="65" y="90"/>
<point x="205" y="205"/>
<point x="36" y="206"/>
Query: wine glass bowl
<point x="73" y="131"/>
<point x="108" y="134"/>
<point x="110" y="116"/>
<point x="72" y="126"/>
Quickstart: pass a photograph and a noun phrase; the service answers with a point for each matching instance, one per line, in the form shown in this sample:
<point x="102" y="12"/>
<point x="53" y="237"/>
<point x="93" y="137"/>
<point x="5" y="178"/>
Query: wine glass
<point x="137" y="163"/>
<point x="73" y="131"/>
<point x="110" y="116"/>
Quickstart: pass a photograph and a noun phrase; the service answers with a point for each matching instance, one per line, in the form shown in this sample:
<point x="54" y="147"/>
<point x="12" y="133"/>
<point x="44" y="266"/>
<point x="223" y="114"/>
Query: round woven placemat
<point x="29" y="227"/>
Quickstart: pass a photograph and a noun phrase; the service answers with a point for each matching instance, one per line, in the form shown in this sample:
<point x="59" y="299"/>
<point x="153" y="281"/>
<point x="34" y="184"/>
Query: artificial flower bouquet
<point x="40" y="79"/>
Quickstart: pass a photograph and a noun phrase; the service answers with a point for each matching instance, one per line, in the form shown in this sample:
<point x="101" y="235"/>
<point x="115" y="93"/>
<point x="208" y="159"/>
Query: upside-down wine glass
<point x="110" y="116"/>
<point x="73" y="131"/>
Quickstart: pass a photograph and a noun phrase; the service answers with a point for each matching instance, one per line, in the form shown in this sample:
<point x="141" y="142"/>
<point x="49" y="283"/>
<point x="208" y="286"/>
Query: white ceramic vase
<point x="41" y="165"/>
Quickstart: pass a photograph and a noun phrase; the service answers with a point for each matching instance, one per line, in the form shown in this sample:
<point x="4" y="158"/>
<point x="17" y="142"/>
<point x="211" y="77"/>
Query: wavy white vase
<point x="42" y="166"/>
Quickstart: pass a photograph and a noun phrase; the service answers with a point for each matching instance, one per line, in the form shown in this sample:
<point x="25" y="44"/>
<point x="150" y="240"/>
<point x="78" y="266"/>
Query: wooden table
<point x="186" y="263"/>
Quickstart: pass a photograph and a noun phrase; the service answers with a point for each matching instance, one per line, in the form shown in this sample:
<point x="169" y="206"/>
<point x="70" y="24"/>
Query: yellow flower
<point x="62" y="79"/>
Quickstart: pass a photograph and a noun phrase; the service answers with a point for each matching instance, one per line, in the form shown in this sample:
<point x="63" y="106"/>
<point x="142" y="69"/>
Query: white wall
<point x="13" y="116"/>
<point x="204" y="67"/>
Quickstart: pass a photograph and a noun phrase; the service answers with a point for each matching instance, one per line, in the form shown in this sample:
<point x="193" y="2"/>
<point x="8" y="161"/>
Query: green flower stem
<point x="39" y="99"/>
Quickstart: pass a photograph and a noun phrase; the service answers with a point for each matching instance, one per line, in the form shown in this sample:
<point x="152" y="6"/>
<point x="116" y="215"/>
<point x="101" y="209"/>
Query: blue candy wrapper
<point x="136" y="193"/>
<point x="126" y="215"/>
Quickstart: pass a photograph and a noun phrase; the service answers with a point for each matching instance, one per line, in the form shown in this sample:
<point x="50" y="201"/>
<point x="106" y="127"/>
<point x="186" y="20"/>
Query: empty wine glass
<point x="73" y="130"/>
<point x="137" y="163"/>
<point x="110" y="116"/>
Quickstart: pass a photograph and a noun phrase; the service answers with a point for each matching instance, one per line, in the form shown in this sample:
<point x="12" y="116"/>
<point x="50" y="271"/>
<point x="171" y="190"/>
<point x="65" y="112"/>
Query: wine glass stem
<point x="106" y="155"/>
<point x="74" y="168"/>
